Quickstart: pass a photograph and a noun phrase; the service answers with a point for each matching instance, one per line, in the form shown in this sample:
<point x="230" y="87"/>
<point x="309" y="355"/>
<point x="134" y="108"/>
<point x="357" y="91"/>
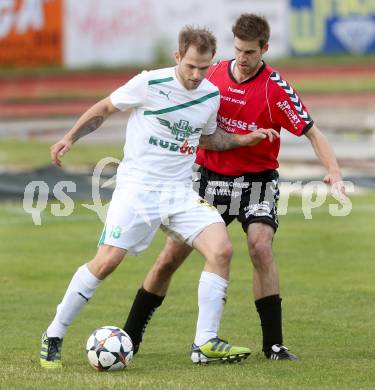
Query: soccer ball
<point x="109" y="348"/>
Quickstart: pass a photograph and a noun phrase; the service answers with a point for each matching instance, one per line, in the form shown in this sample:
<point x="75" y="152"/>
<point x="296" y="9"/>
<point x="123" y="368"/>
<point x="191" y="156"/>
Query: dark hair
<point x="201" y="38"/>
<point x="250" y="27"/>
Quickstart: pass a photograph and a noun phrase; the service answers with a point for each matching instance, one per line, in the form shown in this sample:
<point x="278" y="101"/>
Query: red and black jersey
<point x="263" y="101"/>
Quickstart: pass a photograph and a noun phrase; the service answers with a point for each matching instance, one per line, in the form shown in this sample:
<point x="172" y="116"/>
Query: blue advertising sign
<point x="332" y="26"/>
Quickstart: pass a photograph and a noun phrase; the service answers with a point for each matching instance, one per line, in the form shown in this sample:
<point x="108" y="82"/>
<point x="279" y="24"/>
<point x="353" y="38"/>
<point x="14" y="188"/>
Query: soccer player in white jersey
<point x="173" y="111"/>
<point x="253" y="95"/>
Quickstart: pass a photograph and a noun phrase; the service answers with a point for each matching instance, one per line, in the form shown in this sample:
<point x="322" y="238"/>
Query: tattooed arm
<point x="86" y="124"/>
<point x="221" y="140"/>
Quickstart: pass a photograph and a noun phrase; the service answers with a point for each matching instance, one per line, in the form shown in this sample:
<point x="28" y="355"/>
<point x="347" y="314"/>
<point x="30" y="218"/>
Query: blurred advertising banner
<point x="30" y="32"/>
<point x="138" y="32"/>
<point x="332" y="26"/>
<point x="109" y="32"/>
<point x="219" y="16"/>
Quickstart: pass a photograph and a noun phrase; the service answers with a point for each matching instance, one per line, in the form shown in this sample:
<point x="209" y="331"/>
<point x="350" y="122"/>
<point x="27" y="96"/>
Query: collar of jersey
<point x="231" y="64"/>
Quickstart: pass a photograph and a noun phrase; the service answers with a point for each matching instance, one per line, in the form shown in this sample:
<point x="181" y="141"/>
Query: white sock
<point x="212" y="292"/>
<point x="80" y="290"/>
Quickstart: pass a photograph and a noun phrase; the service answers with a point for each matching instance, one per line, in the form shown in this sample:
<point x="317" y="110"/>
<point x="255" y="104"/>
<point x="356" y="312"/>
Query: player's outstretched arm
<point x="86" y="124"/>
<point x="326" y="156"/>
<point x="221" y="140"/>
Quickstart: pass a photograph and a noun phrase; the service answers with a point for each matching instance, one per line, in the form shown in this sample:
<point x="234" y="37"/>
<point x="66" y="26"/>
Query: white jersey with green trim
<point x="164" y="127"/>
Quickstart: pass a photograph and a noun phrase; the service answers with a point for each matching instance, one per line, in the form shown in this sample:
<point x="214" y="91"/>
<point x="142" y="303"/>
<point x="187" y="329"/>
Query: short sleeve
<point x="132" y="94"/>
<point x="286" y="107"/>
<point x="211" y="124"/>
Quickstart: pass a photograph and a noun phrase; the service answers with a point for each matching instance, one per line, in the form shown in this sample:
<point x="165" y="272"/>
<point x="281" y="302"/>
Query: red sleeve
<point x="285" y="106"/>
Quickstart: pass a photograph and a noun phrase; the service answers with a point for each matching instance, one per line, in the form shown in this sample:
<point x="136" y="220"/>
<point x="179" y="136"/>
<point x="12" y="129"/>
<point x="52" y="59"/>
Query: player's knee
<point x="228" y="250"/>
<point x="223" y="253"/>
<point x="261" y="253"/>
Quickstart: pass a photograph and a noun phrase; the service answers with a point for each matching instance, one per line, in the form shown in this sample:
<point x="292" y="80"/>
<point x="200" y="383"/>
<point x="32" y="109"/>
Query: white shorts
<point x="135" y="214"/>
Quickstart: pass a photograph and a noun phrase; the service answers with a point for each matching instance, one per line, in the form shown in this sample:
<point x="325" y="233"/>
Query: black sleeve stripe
<point x="292" y="95"/>
<point x="308" y="127"/>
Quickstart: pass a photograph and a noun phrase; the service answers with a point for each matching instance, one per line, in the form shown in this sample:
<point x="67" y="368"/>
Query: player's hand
<point x="58" y="150"/>
<point x="337" y="185"/>
<point x="260" y="134"/>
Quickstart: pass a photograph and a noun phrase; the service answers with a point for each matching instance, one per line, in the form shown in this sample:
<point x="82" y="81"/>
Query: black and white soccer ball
<point x="109" y="348"/>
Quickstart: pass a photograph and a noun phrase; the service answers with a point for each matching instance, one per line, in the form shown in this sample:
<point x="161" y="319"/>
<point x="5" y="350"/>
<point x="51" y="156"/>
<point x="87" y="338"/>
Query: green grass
<point x="335" y="85"/>
<point x="327" y="278"/>
<point x="32" y="154"/>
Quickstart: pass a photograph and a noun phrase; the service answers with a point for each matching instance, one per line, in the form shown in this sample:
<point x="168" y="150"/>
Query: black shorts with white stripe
<point x="249" y="198"/>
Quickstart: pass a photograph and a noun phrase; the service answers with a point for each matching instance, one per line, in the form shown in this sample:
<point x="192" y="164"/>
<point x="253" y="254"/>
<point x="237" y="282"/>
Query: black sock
<point x="269" y="309"/>
<point x="143" y="308"/>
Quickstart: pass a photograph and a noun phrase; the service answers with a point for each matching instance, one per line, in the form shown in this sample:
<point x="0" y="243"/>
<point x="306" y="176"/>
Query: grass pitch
<point x="33" y="154"/>
<point x="327" y="277"/>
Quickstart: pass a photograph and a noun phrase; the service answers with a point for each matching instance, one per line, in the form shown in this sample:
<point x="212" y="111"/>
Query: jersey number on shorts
<point x="116" y="232"/>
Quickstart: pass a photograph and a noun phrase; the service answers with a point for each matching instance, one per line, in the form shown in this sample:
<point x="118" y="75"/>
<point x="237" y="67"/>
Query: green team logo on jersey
<point x="181" y="130"/>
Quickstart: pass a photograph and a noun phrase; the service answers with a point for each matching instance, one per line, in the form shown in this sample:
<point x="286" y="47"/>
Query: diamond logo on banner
<point x="355" y="33"/>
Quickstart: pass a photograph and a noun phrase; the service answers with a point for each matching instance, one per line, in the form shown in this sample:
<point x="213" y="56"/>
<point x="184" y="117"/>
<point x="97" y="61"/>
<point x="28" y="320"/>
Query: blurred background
<point x="58" y="57"/>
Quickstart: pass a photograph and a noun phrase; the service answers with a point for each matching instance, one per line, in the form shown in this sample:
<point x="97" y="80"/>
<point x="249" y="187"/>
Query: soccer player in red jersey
<point x="243" y="183"/>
